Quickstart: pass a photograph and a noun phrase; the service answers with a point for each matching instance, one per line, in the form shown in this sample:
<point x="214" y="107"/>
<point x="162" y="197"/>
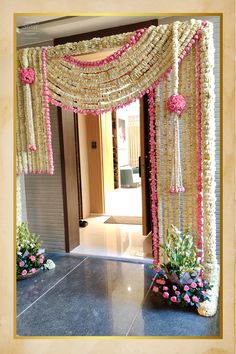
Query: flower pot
<point x="173" y="278"/>
<point x="184" y="279"/>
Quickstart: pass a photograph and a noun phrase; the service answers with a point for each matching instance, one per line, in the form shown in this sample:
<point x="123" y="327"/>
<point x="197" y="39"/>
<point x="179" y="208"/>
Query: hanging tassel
<point x="176" y="104"/>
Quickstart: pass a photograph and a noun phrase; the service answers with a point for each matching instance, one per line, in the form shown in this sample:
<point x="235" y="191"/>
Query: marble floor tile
<point x="98" y="298"/>
<point x="101" y="297"/>
<point x="124" y="242"/>
<point x="31" y="289"/>
<point x="158" y="319"/>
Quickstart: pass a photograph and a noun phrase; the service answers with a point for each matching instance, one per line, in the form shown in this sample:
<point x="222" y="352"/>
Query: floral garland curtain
<point x="173" y="64"/>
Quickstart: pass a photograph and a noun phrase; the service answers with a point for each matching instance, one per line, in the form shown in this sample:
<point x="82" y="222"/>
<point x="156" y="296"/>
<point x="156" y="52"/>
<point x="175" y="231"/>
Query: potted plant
<point x="179" y="280"/>
<point x="29" y="255"/>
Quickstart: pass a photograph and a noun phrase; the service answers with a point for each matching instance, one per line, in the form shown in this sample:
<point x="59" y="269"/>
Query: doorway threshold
<point x="114" y="241"/>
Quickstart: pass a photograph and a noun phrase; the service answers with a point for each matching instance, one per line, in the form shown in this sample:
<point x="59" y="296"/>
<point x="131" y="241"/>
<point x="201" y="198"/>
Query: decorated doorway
<point x="172" y="65"/>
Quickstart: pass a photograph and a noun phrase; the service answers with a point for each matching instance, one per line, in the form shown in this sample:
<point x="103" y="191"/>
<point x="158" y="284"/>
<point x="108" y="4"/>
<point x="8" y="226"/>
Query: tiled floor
<point x="88" y="296"/>
<point x="114" y="240"/>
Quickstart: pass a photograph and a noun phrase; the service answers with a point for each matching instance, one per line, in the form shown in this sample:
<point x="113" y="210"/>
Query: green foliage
<point x="179" y="280"/>
<point x="26" y="241"/>
<point x="180" y="251"/>
<point x="29" y="257"/>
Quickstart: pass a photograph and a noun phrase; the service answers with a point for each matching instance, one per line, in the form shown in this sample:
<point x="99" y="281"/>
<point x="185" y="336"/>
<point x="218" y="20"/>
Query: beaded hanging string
<point x="176" y="104"/>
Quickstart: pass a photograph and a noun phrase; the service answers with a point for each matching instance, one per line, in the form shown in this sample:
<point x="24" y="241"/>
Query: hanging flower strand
<point x="47" y="112"/>
<point x="27" y="77"/>
<point x="153" y="177"/>
<point x="176" y="104"/>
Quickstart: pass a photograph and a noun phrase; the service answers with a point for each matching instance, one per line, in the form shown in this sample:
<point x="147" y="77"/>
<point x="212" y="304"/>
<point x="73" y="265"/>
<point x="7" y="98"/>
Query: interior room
<point x="118" y="176"/>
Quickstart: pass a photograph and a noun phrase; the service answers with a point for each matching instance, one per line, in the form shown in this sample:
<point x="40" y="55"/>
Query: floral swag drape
<point x="173" y="65"/>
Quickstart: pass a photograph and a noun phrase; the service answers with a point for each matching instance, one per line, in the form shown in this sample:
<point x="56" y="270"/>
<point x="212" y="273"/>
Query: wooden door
<point x="144" y="166"/>
<point x="69" y="165"/>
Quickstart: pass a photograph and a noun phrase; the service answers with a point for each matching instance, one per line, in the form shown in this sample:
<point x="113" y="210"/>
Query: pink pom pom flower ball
<point x="176" y="104"/>
<point x="27" y="75"/>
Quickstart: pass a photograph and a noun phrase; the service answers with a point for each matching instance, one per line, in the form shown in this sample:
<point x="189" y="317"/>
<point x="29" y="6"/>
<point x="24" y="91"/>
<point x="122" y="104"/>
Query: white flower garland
<point x="211" y="271"/>
<point x="31" y="120"/>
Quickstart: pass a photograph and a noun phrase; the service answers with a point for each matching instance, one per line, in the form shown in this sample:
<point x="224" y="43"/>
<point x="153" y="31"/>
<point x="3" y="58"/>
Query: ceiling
<point x="35" y="29"/>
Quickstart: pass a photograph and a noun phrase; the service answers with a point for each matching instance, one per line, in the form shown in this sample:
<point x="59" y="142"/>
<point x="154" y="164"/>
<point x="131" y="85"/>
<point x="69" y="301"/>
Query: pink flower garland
<point x="153" y="175"/>
<point x="85" y="64"/>
<point x="47" y="112"/>
<point x="199" y="154"/>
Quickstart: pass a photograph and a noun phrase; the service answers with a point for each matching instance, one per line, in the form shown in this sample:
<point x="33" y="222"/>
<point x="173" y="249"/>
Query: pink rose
<point x="204" y="292"/>
<point x="186" y="298"/>
<point x="24" y="272"/>
<point x="32" y="258"/>
<point x="193" y="285"/>
<point x="200" y="284"/>
<point x="186" y="288"/>
<point x="33" y="270"/>
<point x="174" y="287"/>
<point x="160" y="281"/>
<point x="177" y="292"/>
<point x="165" y="288"/>
<point x="195" y="298"/>
<point x="41" y="256"/>
<point x="155" y="289"/>
<point x="165" y="295"/>
<point x="21" y="264"/>
<point x="41" y="260"/>
<point x="173" y="298"/>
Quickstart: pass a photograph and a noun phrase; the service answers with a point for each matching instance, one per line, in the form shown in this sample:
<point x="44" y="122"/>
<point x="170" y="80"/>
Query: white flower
<point x="40" y="251"/>
<point x="49" y="264"/>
